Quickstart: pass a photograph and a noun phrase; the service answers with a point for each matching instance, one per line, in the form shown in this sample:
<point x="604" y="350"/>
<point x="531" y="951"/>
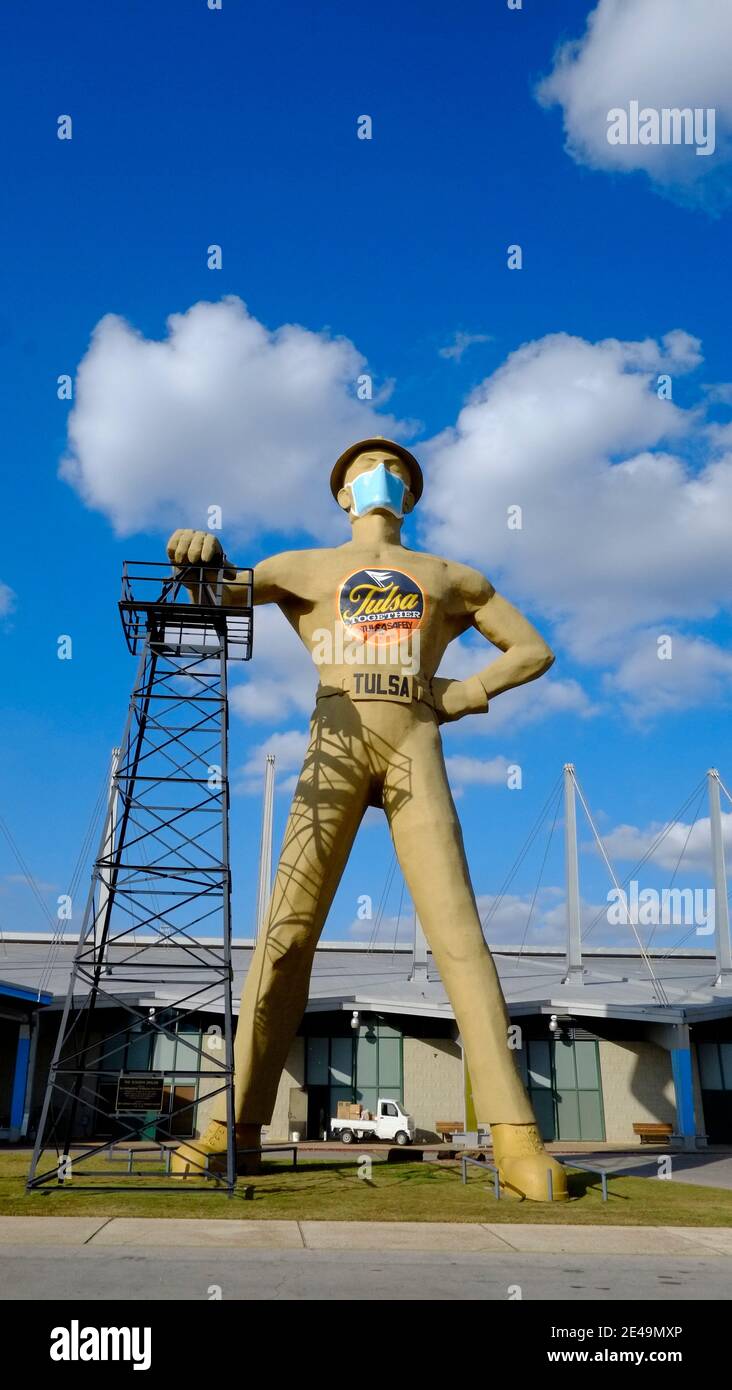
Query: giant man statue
<point x="375" y="740"/>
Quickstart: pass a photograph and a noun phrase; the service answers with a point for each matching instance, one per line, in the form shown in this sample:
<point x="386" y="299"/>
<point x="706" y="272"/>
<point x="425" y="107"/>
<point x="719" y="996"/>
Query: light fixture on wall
<point x="354" y="1019"/>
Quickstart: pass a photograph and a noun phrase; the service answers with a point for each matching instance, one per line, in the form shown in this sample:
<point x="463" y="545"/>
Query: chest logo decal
<point x="378" y="603"/>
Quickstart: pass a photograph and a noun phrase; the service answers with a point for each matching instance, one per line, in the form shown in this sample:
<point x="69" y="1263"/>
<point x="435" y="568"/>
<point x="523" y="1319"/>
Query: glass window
<point x="710" y="1067"/>
<point x="390" y="1110"/>
<point x="569" y="1115"/>
<point x="317" y="1062"/>
<point x="390" y="1063"/>
<point x="182" y="1110"/>
<point x="188" y="1053"/>
<point x="565" y="1077"/>
<point x="367" y="1056"/>
<point x="564" y="1085"/>
<point x="725" y="1052"/>
<point x="339" y="1093"/>
<point x="138" y="1052"/>
<point x="590" y="1114"/>
<point x="544" y="1109"/>
<point x="368" y="1096"/>
<point x="112" y="1053"/>
<point x="341" y="1061"/>
<point x="164" y="1053"/>
<point x="539" y="1064"/>
<point x="585" y="1053"/>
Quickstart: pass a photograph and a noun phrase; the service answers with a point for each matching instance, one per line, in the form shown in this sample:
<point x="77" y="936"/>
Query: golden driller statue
<point x="377" y="618"/>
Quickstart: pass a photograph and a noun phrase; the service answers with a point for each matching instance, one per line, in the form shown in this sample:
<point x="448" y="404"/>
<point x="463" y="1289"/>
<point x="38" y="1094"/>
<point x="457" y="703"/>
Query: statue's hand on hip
<point x="453" y="698"/>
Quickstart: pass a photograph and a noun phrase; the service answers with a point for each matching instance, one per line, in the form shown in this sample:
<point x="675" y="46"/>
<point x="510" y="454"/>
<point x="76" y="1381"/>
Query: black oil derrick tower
<point x="157" y="923"/>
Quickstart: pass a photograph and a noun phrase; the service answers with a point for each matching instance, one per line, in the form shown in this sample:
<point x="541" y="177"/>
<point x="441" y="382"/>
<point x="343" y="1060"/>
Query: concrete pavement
<point x="706" y="1169"/>
<point x="86" y="1258"/>
<point x="160" y="1233"/>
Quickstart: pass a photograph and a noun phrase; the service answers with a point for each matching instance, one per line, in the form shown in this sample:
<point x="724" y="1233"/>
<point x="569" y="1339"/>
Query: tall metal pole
<point x="419" y="952"/>
<point x="575" y="974"/>
<point x="722" y="945"/>
<point x="111" y="831"/>
<point x="264" y="882"/>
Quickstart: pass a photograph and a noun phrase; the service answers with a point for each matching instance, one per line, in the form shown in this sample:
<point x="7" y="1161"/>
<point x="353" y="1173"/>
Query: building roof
<point x="351" y="975"/>
<point x="23" y="994"/>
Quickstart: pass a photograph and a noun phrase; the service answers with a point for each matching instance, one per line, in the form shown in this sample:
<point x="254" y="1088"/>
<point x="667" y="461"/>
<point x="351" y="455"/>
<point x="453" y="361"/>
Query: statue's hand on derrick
<point x="195" y="548"/>
<point x="453" y="698"/>
<point x="201" y="548"/>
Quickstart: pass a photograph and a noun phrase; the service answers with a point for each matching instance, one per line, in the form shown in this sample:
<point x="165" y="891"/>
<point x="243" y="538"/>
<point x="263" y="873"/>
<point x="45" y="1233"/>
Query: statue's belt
<point x="381" y="685"/>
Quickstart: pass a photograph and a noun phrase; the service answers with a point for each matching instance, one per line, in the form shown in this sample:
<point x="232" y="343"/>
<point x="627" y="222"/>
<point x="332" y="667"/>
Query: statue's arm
<point x="524" y="654"/>
<point x="274" y="578"/>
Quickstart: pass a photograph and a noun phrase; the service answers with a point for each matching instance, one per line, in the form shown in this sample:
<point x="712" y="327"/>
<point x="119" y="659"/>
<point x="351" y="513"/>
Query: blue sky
<point x="238" y="128"/>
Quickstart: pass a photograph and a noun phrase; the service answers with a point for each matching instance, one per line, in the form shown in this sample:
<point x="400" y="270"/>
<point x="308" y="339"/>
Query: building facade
<point x="616" y="1049"/>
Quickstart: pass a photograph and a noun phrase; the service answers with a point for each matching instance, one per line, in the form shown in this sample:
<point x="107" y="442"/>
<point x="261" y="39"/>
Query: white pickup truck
<point x="390" y="1122"/>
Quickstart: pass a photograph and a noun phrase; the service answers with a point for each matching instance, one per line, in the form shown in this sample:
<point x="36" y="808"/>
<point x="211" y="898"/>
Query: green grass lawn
<point x="403" y="1191"/>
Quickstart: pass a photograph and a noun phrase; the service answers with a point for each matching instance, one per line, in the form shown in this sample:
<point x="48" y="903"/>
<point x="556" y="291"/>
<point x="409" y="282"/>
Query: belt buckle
<point x="383" y="685"/>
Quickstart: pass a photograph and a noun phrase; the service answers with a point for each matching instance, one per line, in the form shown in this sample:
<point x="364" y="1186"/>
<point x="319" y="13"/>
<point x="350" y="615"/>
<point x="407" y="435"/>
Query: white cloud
<point x="220" y="412"/>
<point x="482" y="772"/>
<point x="7" y="600"/>
<point x="283" y="680"/>
<point x="289" y="751"/>
<point x="456" y="350"/>
<point x="662" y="54"/>
<point x="399" y="930"/>
<point x="686" y="845"/>
<point x="719" y="392"/>
<point x="697" y="673"/>
<point x="618" y="533"/>
<point x="542" y="921"/>
<point x="515" y="709"/>
<point x="507" y="926"/>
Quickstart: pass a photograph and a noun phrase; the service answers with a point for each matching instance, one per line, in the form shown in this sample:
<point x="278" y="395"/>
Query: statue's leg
<point x="327" y="808"/>
<point x="429" y="844"/>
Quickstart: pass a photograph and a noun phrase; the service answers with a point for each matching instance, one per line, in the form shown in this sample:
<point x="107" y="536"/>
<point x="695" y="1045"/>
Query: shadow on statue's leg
<point x="327" y="808"/>
<point x="429" y="845"/>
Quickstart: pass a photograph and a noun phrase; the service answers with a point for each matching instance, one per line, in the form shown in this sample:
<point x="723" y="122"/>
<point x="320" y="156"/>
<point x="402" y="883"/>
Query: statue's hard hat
<point x="387" y="446"/>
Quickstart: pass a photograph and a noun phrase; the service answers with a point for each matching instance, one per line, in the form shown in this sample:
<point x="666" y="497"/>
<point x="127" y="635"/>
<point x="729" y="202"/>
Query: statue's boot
<point x="190" y="1159"/>
<point x="523" y="1164"/>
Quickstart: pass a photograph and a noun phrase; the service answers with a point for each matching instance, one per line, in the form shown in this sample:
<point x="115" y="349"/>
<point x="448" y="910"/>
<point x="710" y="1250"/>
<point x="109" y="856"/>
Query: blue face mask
<point x="378" y="488"/>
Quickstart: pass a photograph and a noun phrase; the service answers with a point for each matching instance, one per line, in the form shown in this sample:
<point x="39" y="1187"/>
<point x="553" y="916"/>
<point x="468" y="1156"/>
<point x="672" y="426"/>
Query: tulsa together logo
<point x="380" y="603"/>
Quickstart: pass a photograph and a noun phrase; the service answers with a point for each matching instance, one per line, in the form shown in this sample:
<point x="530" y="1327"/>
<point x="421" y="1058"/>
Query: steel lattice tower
<point x="161" y="878"/>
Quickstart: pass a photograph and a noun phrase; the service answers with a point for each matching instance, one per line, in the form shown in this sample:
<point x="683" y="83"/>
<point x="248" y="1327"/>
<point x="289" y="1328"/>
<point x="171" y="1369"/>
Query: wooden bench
<point x="652" y="1133"/>
<point x="446" y="1128"/>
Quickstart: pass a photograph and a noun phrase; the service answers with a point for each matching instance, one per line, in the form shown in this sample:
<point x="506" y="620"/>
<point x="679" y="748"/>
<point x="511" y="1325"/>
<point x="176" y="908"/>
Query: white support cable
<point x="383" y="901"/>
<point x="724" y="789"/>
<point x="660" y="837"/>
<point x="541" y="873"/>
<point x="677" y="866"/>
<point x="521" y="855"/>
<point x="264" y="877"/>
<point x="59" y="928"/>
<point x="27" y="874"/>
<point x="660" y="991"/>
<point x="398" y="920"/>
<point x="722" y="944"/>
